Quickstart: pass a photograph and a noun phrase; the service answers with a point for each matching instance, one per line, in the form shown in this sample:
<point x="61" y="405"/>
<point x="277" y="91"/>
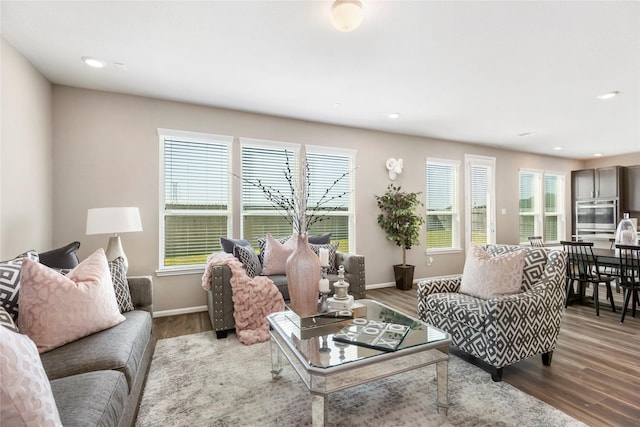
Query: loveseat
<point x="501" y="330"/>
<point x="96" y="380"/>
<point x="220" y="302"/>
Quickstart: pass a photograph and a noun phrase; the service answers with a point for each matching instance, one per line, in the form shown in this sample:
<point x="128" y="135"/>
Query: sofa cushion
<point x="487" y="276"/>
<point x="249" y="260"/>
<point x="91" y="399"/>
<point x="10" y="272"/>
<point x="280" y="280"/>
<point x="332" y="248"/>
<point x="535" y="262"/>
<point x="119" y="348"/>
<point x="64" y="257"/>
<point x="229" y="244"/>
<point x="25" y="393"/>
<point x="57" y="309"/>
<point x="120" y="284"/>
<point x="276" y="255"/>
<point x="7" y="321"/>
<point x="466" y="309"/>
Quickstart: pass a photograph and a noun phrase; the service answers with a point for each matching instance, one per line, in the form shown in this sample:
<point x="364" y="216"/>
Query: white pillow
<point x="487" y="276"/>
<point x="25" y="392"/>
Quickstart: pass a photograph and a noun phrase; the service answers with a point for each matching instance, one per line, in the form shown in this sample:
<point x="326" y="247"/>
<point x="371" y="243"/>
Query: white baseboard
<point x="177" y="311"/>
<point x="380" y="285"/>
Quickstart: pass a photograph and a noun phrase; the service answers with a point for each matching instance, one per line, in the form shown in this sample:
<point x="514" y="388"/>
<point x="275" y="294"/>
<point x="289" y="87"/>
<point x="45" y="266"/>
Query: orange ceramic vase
<point x="303" y="275"/>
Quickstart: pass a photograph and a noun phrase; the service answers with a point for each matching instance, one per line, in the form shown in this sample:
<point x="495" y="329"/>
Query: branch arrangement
<point x="293" y="207"/>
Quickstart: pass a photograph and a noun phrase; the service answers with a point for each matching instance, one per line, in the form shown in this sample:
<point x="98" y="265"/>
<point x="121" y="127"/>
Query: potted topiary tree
<point x="402" y="225"/>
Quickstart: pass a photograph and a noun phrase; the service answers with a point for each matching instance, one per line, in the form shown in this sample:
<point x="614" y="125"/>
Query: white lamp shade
<point x="113" y="220"/>
<point x="346" y="15"/>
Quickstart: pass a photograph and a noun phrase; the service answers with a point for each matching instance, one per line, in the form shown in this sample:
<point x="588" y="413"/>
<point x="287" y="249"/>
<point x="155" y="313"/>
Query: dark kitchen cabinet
<point x="632" y="188"/>
<point x="601" y="183"/>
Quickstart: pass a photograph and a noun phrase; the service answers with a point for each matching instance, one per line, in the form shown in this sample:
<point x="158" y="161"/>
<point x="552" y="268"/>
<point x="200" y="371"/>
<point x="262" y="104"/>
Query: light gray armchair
<point x="503" y="330"/>
<point x="220" y="302"/>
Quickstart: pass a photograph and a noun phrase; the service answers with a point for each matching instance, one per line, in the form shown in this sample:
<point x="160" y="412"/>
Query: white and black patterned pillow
<point x="332" y="247"/>
<point x="249" y="259"/>
<point x="10" y="282"/>
<point x="6" y="320"/>
<point x="121" y="285"/>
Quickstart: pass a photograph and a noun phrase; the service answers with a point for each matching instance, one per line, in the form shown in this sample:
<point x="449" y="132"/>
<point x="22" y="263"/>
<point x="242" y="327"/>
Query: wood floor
<point x="594" y="375"/>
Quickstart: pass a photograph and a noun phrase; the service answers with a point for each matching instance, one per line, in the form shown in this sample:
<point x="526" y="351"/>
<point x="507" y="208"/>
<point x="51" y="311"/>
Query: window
<point x="542" y="205"/>
<point x="443" y="221"/>
<point x="331" y="184"/>
<point x="480" y="200"/>
<point x="195" y="197"/>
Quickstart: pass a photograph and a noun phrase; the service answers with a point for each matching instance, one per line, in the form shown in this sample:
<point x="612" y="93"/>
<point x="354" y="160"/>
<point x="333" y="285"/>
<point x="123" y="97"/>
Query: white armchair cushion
<point x="487" y="276"/>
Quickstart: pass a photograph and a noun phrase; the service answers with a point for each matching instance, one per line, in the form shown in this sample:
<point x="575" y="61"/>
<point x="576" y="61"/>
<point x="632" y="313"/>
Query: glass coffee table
<point x="326" y="365"/>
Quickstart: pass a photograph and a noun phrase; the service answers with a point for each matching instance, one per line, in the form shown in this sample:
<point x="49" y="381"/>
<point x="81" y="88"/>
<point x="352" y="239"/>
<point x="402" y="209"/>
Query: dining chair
<point x="582" y="267"/>
<point x="629" y="276"/>
<point x="536" y="241"/>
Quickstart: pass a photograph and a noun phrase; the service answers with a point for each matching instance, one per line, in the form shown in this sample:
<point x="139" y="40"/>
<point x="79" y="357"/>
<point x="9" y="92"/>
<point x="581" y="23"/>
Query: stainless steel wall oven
<point x="597" y="215"/>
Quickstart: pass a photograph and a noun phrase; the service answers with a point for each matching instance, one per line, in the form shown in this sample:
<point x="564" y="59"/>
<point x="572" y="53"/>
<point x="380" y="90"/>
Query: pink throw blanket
<point x="253" y="298"/>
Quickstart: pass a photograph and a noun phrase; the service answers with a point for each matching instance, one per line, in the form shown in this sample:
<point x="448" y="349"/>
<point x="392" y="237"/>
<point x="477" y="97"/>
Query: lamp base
<point x="114" y="250"/>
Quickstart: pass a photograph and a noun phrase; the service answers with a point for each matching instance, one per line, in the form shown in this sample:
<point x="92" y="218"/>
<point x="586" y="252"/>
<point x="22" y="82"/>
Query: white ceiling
<point x="473" y="71"/>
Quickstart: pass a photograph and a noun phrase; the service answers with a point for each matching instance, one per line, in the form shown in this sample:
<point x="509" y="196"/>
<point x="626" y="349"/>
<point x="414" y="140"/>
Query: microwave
<point x="597" y="215"/>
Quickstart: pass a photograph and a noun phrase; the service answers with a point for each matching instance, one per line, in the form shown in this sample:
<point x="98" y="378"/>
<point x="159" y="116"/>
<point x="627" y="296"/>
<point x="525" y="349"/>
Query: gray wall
<point x="25" y="156"/>
<point x="107" y="153"/>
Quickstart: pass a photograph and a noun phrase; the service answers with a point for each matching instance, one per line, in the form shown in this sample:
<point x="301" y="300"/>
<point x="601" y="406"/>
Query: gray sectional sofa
<point x="98" y="380"/>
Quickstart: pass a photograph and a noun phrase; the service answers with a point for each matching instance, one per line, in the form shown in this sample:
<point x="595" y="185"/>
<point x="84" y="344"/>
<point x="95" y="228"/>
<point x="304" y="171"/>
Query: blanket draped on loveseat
<point x="253" y="298"/>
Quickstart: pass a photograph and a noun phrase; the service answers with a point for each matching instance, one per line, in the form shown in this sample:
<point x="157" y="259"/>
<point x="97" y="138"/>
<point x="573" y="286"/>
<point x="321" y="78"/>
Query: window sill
<point x="442" y="251"/>
<point x="180" y="271"/>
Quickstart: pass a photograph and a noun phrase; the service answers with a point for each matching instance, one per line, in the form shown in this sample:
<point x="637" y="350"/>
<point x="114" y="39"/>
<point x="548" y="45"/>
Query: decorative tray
<point x="369" y="333"/>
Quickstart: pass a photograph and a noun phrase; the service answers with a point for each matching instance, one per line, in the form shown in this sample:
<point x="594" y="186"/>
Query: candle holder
<point x="341" y="300"/>
<point x="323" y="285"/>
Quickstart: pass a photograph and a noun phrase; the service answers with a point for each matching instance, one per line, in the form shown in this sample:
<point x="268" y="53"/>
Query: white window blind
<point x="541" y="205"/>
<point x="480" y="200"/>
<point x="442" y="204"/>
<point x="195" y="198"/>
<point x="331" y="193"/>
<point x="266" y="162"/>
<point x="330" y="189"/>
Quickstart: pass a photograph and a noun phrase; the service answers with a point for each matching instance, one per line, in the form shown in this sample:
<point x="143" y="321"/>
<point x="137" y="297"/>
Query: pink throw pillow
<point x="57" y="309"/>
<point x="25" y="392"/>
<point x="487" y="276"/>
<point x="276" y="254"/>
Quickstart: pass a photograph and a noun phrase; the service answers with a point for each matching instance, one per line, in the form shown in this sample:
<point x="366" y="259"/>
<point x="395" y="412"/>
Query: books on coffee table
<point x="370" y="333"/>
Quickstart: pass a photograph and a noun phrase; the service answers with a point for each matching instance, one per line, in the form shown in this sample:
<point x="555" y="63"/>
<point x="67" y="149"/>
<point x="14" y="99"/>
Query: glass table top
<point x="318" y="348"/>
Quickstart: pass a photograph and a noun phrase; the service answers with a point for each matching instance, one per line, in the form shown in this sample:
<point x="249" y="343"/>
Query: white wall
<point x="106" y="154"/>
<point x="25" y="156"/>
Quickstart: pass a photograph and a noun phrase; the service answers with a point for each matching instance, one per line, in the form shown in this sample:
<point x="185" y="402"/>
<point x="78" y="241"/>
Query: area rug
<point x="198" y="380"/>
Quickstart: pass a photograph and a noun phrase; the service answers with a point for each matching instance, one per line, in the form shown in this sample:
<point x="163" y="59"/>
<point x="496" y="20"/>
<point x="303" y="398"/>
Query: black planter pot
<point x="404" y="276"/>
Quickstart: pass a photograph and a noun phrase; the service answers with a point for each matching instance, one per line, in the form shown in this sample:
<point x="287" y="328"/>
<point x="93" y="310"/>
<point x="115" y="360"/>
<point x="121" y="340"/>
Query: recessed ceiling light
<point x="557" y="148"/>
<point x="609" y="95"/>
<point x="93" y="62"/>
<point x="527" y="134"/>
<point x="598" y="155"/>
<point x="394" y="115"/>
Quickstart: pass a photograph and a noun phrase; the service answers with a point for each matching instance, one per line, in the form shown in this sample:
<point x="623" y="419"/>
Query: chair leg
<point x="569" y="292"/>
<point x="596" y="298"/>
<point x="546" y="358"/>
<point x="627" y="295"/>
<point x="496" y="376"/>
<point x="610" y="296"/>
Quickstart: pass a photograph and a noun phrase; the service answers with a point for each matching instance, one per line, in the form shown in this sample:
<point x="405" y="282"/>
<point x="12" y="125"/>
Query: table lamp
<point x="114" y="221"/>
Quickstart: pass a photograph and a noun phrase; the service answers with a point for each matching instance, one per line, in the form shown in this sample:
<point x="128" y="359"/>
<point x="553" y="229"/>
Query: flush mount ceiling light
<point x="609" y="95"/>
<point x="557" y="148"/>
<point x="346" y="15"/>
<point x="93" y="62"/>
<point x="394" y="115"/>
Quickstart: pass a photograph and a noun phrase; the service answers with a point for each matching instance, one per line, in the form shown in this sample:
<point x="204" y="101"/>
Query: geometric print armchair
<point x="502" y="330"/>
